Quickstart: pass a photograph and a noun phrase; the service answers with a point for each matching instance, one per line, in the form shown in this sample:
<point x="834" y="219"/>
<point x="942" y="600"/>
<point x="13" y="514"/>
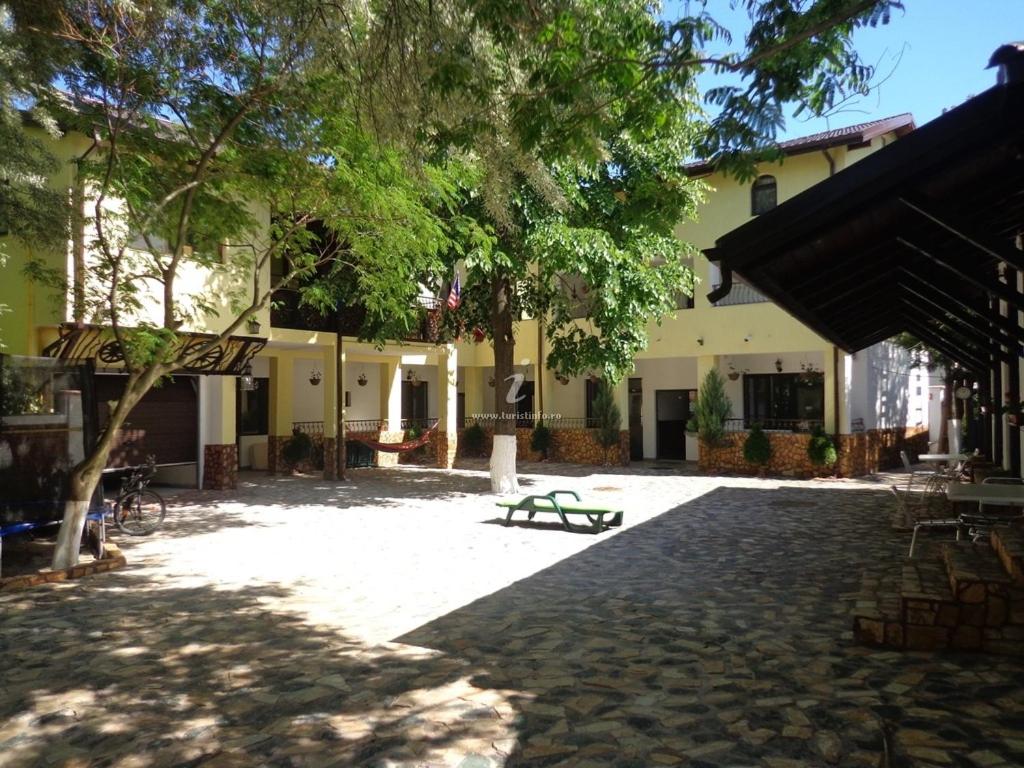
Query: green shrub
<point x="540" y="441"/>
<point x="296" y="449"/>
<point x="713" y="408"/>
<point x="821" y="450"/>
<point x="608" y="417"/>
<point x="473" y="440"/>
<point x="691" y="425"/>
<point x="757" y="449"/>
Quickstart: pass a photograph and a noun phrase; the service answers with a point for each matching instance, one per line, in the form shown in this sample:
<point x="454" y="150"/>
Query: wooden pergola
<point x="924" y="236"/>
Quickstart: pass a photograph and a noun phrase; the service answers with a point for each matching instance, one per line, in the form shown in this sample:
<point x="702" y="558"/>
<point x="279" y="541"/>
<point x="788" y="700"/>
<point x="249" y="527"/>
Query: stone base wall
<point x="380" y="458"/>
<point x="859" y="454"/>
<point x="867" y="452"/>
<point x="111" y="560"/>
<point x="275" y="462"/>
<point x="220" y="467"/>
<point x="330" y="458"/>
<point x="573" y="446"/>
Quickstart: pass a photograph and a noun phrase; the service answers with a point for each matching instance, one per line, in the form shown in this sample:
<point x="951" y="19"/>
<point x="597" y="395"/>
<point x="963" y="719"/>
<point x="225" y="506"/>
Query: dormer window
<point x="763" y="195"/>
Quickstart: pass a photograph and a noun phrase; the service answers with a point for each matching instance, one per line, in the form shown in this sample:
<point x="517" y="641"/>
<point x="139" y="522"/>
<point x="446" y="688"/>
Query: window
<point x="782" y="400"/>
<point x="253" y="408"/>
<point x="763" y="195"/>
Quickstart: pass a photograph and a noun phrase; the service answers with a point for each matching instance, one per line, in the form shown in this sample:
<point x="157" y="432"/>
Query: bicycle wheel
<point x="139" y="513"/>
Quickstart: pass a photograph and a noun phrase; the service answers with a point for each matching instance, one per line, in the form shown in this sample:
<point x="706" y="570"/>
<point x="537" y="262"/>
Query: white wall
<point x="365" y="400"/>
<point x="308" y="402"/>
<point x="886" y="390"/>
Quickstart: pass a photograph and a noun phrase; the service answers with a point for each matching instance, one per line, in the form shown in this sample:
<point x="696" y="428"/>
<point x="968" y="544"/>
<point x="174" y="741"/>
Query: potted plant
<point x="473" y="439"/>
<point x="296" y="449"/>
<point x="820" y="449"/>
<point x="757" y="448"/>
<point x="713" y="408"/>
<point x="609" y="419"/>
<point x="540" y="440"/>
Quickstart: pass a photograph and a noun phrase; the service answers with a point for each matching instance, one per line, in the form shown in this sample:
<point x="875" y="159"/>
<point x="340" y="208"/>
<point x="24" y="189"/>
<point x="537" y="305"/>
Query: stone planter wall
<point x="859" y="454"/>
<point x="573" y="446"/>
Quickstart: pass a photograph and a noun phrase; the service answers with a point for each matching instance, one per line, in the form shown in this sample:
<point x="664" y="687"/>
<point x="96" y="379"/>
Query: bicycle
<point x="138" y="510"/>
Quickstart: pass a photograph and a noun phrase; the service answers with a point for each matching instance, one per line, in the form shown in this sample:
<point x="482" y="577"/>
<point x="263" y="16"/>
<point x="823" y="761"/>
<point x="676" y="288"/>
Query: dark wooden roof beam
<point x="942" y="217"/>
<point x="946" y="291"/>
<point x="944" y="314"/>
<point x="935" y="340"/>
<point x="968" y="271"/>
<point x="859" y="284"/>
<point x="967" y="339"/>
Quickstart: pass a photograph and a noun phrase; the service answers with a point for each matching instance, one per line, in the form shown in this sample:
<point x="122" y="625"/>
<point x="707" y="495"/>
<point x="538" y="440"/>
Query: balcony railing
<point x="773" y="425"/>
<point x="287" y="311"/>
<point x="741" y="293"/>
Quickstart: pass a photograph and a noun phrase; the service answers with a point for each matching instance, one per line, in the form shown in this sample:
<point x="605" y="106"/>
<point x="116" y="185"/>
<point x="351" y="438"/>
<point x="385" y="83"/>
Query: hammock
<point x="408" y="445"/>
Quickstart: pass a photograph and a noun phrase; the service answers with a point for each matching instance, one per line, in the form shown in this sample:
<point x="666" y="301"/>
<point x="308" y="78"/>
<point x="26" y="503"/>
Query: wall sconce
<point x="700" y="340"/>
<point x="748" y="337"/>
<point x="412" y="378"/>
<point x="254" y="326"/>
<point x="778" y="365"/>
<point x="315" y="377"/>
<point x="362" y="380"/>
<point x="563" y="380"/>
<point x="490" y="382"/>
<point x="246" y="381"/>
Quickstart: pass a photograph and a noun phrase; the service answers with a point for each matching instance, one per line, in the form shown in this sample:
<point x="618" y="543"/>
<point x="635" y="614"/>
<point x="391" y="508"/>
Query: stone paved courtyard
<point x="391" y="621"/>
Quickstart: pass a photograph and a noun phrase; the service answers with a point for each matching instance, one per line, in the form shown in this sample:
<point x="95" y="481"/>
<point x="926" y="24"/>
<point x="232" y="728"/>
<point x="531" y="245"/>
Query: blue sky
<point x="929" y="57"/>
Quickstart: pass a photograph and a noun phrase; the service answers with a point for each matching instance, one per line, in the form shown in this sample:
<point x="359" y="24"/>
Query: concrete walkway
<point x="391" y="621"/>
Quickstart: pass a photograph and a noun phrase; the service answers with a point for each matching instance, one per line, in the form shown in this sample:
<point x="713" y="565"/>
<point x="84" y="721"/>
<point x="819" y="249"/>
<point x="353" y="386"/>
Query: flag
<point x="455" y="294"/>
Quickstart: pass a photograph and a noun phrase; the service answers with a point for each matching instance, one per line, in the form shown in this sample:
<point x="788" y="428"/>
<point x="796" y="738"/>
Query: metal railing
<point x="773" y="425"/>
<point x="741" y="293"/>
<point x="308" y="427"/>
<point x="551" y="423"/>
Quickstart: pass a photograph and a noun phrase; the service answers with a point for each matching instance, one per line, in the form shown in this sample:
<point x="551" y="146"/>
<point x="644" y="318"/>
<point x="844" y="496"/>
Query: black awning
<point x="912" y="238"/>
<point x="81" y="342"/>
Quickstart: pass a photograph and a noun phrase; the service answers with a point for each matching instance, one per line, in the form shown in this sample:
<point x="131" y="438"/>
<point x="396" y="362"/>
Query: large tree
<point x="581" y="173"/>
<point x="207" y="122"/>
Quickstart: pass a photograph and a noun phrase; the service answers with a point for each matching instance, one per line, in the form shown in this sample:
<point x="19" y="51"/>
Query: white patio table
<point x="986" y="493"/>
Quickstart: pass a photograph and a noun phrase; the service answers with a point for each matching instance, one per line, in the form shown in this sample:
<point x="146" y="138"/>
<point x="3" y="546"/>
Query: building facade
<point x="778" y="373"/>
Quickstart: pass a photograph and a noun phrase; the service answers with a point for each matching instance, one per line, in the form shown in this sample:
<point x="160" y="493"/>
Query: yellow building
<point x="778" y="372"/>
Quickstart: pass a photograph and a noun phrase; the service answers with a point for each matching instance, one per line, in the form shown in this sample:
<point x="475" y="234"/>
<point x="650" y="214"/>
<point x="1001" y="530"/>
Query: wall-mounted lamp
<point x="778" y="365"/>
<point x="315" y="377"/>
<point x="362" y="380"/>
<point x="562" y="379"/>
<point x="412" y="378"/>
<point x="254" y="326"/>
<point x="748" y="337"/>
<point x="490" y="382"/>
<point x="700" y="340"/>
<point x="246" y="381"/>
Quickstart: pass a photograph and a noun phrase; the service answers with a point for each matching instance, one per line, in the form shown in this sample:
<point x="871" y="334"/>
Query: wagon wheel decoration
<point x="111" y="353"/>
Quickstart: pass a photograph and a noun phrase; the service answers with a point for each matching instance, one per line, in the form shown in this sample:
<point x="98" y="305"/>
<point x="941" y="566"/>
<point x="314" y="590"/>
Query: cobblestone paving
<point x="390" y="621"/>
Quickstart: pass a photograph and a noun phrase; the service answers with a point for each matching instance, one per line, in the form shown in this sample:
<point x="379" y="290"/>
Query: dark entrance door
<point x="414" y="403"/>
<point x="636" y="425"/>
<point x="164" y="424"/>
<point x="524" y="407"/>
<point x="672" y="407"/>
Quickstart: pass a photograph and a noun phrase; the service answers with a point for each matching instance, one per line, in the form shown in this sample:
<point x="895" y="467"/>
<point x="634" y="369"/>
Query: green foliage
<point x="473" y="440"/>
<point x="691" y="425"/>
<point x="713" y="408"/>
<point x="608" y="417"/>
<point x="820" y="449"/>
<point x="296" y="449"/>
<point x="757" y="449"/>
<point x="540" y="440"/>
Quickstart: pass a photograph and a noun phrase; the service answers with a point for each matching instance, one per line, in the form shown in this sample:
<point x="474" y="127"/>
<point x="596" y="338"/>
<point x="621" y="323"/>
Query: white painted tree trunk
<point x="69" y="538"/>
<point x="503" y="465"/>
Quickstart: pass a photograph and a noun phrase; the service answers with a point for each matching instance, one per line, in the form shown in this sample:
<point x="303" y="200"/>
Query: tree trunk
<point x="86" y="475"/>
<point x="503" y="455"/>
